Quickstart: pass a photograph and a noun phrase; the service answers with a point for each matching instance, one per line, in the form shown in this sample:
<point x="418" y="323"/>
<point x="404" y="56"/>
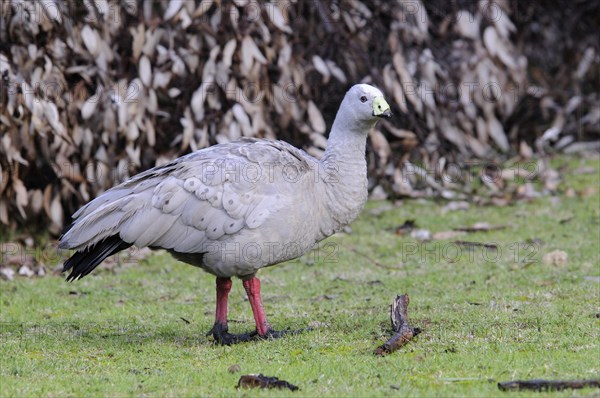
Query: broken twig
<point x="467" y="244"/>
<point x="374" y="262"/>
<point x="547" y="385"/>
<point x="480" y="227"/>
<point x="404" y="332"/>
<point x="261" y="381"/>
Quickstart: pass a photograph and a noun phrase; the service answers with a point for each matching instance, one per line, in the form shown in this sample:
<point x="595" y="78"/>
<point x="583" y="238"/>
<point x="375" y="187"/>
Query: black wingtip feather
<point x="83" y="262"/>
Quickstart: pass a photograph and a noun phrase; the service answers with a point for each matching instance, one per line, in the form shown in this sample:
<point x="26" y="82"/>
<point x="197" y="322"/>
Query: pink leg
<point x="223" y="288"/>
<point x="252" y="287"/>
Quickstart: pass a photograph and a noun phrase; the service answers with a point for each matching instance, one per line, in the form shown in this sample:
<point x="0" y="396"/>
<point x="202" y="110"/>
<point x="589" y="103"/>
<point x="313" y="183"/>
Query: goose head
<point x="363" y="105"/>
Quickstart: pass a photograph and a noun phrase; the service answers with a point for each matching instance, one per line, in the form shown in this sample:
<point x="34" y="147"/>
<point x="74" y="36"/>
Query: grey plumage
<point x="234" y="208"/>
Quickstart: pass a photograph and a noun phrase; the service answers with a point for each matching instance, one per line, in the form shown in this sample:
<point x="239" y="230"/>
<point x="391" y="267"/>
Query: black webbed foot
<point x="222" y="336"/>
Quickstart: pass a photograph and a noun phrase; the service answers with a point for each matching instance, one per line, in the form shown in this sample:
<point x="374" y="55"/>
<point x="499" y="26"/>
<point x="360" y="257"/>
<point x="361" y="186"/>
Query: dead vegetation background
<point x="94" y="91"/>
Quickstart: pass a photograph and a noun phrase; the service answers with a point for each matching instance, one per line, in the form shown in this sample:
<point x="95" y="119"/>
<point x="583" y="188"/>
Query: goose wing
<point x="194" y="200"/>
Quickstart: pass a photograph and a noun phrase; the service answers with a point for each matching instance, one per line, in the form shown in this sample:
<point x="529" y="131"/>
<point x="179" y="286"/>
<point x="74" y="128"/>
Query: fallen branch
<point x="547" y="385"/>
<point x="374" y="262"/>
<point x="261" y="381"/>
<point x="467" y="244"/>
<point x="480" y="227"/>
<point x="404" y="332"/>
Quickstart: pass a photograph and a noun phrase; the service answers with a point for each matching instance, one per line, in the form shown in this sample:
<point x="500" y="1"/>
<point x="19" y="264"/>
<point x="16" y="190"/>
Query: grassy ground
<point x="488" y="315"/>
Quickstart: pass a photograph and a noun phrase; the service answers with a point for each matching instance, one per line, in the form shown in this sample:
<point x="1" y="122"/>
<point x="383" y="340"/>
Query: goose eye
<point x="363" y="99"/>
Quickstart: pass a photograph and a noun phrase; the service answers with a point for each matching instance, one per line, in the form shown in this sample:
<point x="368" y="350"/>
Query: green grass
<point x="487" y="316"/>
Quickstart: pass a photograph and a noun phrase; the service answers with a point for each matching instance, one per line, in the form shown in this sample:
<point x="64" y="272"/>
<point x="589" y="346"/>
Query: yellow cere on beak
<point x="381" y="108"/>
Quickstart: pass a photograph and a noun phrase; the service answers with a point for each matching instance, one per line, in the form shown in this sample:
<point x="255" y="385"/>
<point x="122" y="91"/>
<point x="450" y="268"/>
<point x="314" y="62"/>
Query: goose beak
<point x="381" y="108"/>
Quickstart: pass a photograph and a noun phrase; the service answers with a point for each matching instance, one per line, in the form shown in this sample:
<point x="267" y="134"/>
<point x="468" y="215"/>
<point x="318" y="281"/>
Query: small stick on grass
<point x="261" y="381"/>
<point x="374" y="262"/>
<point x="547" y="385"/>
<point x="403" y="331"/>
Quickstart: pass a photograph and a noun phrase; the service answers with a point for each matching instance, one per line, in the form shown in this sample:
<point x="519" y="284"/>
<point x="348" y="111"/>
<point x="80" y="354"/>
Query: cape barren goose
<point x="232" y="209"/>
